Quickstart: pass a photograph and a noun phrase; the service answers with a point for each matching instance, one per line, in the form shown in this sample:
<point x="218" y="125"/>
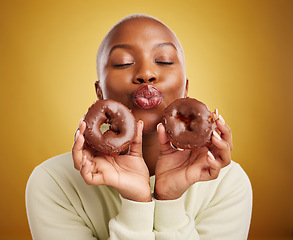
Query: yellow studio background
<point x="239" y="58"/>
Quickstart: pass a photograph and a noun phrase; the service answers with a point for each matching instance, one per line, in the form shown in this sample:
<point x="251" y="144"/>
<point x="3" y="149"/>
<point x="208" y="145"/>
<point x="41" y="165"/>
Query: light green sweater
<point x="60" y="205"/>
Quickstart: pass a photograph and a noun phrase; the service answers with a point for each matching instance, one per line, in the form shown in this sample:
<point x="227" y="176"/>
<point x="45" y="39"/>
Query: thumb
<point x="136" y="146"/>
<point x="165" y="145"/>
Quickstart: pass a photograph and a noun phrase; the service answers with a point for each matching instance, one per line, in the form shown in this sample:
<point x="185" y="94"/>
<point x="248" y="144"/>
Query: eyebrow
<point x="126" y="46"/>
<point x="166" y="44"/>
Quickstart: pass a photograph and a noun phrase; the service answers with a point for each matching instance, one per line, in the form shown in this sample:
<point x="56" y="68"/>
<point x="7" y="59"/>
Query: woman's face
<point x="143" y="68"/>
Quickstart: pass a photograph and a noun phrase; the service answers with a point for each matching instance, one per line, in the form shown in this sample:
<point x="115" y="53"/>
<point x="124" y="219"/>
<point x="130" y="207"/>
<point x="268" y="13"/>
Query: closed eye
<point x="164" y="62"/>
<point x="122" y="65"/>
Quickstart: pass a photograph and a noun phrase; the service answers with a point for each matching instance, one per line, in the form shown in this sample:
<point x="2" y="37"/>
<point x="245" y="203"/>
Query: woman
<point x="154" y="191"/>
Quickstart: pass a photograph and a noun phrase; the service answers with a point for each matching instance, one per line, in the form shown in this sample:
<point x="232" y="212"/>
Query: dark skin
<point x="138" y="52"/>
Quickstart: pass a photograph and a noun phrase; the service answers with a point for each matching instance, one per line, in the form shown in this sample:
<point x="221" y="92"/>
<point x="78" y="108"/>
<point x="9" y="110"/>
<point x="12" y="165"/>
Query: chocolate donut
<point x="189" y="123"/>
<point x="121" y="126"/>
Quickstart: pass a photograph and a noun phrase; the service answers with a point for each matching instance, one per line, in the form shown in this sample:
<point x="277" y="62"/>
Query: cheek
<point x="118" y="89"/>
<point x="174" y="87"/>
<point x="112" y="89"/>
<point x="172" y="94"/>
<point x="114" y="85"/>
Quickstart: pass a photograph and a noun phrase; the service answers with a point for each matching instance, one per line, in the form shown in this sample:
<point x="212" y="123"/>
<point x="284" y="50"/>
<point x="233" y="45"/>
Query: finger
<point x="77" y="148"/>
<point x="223" y="149"/>
<point x="198" y="153"/>
<point x="226" y="133"/>
<point x="214" y="166"/>
<point x="165" y="146"/>
<point x="89" y="173"/>
<point x="205" y="168"/>
<point x="81" y="129"/>
<point x="81" y="125"/>
<point x="136" y="146"/>
<point x="81" y="120"/>
<point x="76" y="135"/>
<point x="198" y="166"/>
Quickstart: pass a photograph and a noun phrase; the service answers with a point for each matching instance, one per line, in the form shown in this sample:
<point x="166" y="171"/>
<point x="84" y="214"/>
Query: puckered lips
<point x="147" y="97"/>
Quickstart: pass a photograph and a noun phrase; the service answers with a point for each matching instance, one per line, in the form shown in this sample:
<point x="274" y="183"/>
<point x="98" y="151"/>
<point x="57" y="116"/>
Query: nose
<point x="145" y="74"/>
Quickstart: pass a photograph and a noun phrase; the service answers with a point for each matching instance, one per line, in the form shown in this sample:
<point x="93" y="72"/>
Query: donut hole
<point x="111" y="124"/>
<point x="114" y="128"/>
<point x="105" y="127"/>
<point x="190" y="121"/>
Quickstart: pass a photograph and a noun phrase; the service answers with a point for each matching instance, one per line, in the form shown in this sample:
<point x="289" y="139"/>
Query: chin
<point x="150" y="118"/>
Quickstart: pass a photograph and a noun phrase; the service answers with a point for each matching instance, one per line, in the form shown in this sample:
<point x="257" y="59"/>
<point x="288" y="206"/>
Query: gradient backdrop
<point x="239" y="58"/>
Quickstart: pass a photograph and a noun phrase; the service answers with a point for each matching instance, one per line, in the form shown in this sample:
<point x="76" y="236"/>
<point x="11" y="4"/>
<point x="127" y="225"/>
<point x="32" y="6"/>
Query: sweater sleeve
<point x="134" y="221"/>
<point x="173" y="222"/>
<point x="225" y="216"/>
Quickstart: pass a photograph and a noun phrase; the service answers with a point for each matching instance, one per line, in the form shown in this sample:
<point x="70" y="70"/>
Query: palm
<point x="177" y="170"/>
<point x="119" y="172"/>
<point x="128" y="174"/>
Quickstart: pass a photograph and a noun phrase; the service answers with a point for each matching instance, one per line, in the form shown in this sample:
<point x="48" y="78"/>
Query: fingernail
<point x="141" y="123"/>
<point x="221" y="119"/>
<point x="76" y="135"/>
<point x="83" y="160"/>
<point x="158" y="126"/>
<point x="217" y="135"/>
<point x="80" y="121"/>
<point x="217" y="113"/>
<point x="211" y="156"/>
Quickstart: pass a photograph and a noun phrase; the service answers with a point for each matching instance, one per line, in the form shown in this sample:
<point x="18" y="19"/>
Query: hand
<point x="177" y="170"/>
<point x="128" y="174"/>
<point x="222" y="143"/>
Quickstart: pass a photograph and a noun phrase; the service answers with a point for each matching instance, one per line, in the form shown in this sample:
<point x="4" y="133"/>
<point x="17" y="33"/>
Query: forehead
<point x="140" y="30"/>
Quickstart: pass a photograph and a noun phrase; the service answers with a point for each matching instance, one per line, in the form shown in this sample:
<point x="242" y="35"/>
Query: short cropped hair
<point x="129" y="17"/>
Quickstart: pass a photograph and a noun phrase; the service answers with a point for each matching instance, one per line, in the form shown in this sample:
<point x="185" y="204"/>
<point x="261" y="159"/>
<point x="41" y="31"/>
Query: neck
<point x="150" y="150"/>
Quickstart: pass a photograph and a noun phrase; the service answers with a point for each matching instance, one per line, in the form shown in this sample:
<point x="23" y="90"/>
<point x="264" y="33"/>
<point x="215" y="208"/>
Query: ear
<point x="99" y="90"/>
<point x="186" y="88"/>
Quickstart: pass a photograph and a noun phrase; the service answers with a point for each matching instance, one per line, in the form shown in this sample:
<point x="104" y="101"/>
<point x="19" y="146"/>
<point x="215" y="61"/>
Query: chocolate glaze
<point x="189" y="123"/>
<point x="122" y="127"/>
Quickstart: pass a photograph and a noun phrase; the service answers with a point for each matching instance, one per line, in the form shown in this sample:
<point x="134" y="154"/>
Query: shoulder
<point x="232" y="184"/>
<point x="58" y="169"/>
<point x="57" y="178"/>
<point x="58" y="163"/>
<point x="52" y="177"/>
<point x="233" y="176"/>
<point x="232" y="181"/>
<point x="230" y="177"/>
